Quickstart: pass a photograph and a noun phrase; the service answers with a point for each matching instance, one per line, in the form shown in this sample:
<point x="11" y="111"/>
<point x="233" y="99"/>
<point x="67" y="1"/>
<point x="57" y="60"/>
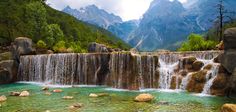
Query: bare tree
<point x="223" y="15"/>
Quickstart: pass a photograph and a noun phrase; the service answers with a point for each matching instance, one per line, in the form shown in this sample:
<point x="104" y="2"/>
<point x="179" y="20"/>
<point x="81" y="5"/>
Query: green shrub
<point x="60" y="46"/>
<point x="75" y="47"/>
<point x="41" y="44"/>
<point x="197" y="43"/>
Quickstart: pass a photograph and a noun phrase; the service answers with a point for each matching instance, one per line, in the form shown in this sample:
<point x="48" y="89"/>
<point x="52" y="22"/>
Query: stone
<point x="22" y="46"/>
<point x="14" y="93"/>
<point x="50" y="52"/>
<point x="163" y="103"/>
<point x="218" y="59"/>
<point x="12" y="67"/>
<point x="208" y="67"/>
<point x="229" y="39"/>
<point x="5" y="76"/>
<point x="68" y="97"/>
<point x="197" y="81"/>
<point x="5" y="56"/>
<point x="228" y="108"/>
<point x="24" y="94"/>
<point x="219" y="84"/>
<point x="45" y="88"/>
<point x="92" y="95"/>
<point x="97" y="48"/>
<point x="3" y="98"/>
<point x="102" y="94"/>
<point x="144" y="98"/>
<point x="76" y="106"/>
<point x="57" y="90"/>
<point x="197" y="65"/>
<point x="220" y="46"/>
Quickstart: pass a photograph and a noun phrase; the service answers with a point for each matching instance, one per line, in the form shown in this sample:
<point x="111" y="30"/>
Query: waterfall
<point x="123" y="70"/>
<point x="210" y="77"/>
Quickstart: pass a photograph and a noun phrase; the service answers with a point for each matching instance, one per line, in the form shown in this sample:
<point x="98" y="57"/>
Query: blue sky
<point x="126" y="9"/>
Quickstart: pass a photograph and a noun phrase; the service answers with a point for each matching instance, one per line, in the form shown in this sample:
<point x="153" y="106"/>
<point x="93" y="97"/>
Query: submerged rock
<point x="48" y="93"/>
<point x="92" y="95"/>
<point x="57" y="90"/>
<point x="76" y="106"/>
<point x="68" y="97"/>
<point x="14" y="93"/>
<point x="144" y="98"/>
<point x="3" y="98"/>
<point x="228" y="108"/>
<point x="24" y="94"/>
<point x="45" y="88"/>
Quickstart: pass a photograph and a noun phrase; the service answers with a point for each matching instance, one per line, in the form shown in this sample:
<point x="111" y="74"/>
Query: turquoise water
<point x="117" y="101"/>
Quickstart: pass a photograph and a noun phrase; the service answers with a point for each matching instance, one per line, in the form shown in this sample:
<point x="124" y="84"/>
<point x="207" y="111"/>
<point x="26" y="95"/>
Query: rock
<point x="218" y="59"/>
<point x="228" y="108"/>
<point x="48" y="93"/>
<point x="219" y="85"/>
<point x="76" y="106"/>
<point x="3" y="98"/>
<point x="12" y="67"/>
<point x="57" y="90"/>
<point x="24" y="94"/>
<point x="5" y="56"/>
<point x="68" y="97"/>
<point x="197" y="65"/>
<point x="197" y="81"/>
<point x="229" y="39"/>
<point x="22" y="46"/>
<point x="144" y="98"/>
<point x="14" y="93"/>
<point x="187" y="62"/>
<point x="45" y="88"/>
<point x="92" y="95"/>
<point x="5" y="76"/>
<point x="163" y="103"/>
<point x="208" y="67"/>
<point x="220" y="46"/>
<point x="95" y="47"/>
<point x="50" y="52"/>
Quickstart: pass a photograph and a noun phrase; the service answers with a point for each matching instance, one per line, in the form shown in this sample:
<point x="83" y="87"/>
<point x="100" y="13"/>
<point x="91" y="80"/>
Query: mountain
<point x="123" y="29"/>
<point x="36" y="20"/>
<point x="93" y="15"/>
<point x="164" y="24"/>
<point x="167" y="23"/>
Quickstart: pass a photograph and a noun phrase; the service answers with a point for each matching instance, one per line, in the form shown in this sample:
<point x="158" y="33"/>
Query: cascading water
<point x="210" y="77"/>
<point x="122" y="70"/>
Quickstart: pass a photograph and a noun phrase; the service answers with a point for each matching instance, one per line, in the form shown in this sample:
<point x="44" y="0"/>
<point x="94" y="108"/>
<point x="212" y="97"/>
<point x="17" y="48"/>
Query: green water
<point x="117" y="101"/>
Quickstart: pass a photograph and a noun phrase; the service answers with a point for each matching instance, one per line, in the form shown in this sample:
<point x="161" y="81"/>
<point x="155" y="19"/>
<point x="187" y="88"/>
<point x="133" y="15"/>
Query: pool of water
<point x="117" y="101"/>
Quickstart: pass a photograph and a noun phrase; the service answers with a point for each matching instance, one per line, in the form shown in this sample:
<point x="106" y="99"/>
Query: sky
<point x="126" y="9"/>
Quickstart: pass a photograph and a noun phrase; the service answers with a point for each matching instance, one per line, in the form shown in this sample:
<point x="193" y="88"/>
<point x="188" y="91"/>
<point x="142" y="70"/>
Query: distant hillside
<point x="36" y="20"/>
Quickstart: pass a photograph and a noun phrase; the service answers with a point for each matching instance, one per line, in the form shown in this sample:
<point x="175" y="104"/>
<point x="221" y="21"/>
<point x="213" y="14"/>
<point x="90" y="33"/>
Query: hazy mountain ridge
<point x="93" y="15"/>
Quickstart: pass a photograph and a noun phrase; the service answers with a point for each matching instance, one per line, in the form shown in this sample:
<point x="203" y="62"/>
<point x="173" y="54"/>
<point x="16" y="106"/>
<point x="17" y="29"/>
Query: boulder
<point x="228" y="108"/>
<point x="208" y="67"/>
<point x="187" y="62"/>
<point x="57" y="90"/>
<point x="22" y="46"/>
<point x="12" y="67"/>
<point x="5" y="56"/>
<point x="76" y="106"/>
<point x="197" y="65"/>
<point x="95" y="47"/>
<point x="144" y="98"/>
<point x="219" y="85"/>
<point x="197" y="81"/>
<point x="228" y="58"/>
<point x="48" y="93"/>
<point x="45" y="88"/>
<point x="5" y="76"/>
<point x="3" y="98"/>
<point x="24" y="94"/>
<point x="14" y="93"/>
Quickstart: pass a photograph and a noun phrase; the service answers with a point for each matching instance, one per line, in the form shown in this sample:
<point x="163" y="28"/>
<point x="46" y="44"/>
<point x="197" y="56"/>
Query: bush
<point x="60" y="46"/>
<point x="41" y="44"/>
<point x="197" y="43"/>
<point x="75" y="47"/>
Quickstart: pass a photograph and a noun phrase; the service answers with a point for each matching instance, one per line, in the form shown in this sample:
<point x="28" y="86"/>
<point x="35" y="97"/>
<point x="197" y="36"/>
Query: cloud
<point x="126" y="9"/>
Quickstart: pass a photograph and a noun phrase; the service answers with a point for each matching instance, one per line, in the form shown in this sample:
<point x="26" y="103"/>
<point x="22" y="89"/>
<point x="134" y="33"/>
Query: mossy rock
<point x="5" y="56"/>
<point x="197" y="65"/>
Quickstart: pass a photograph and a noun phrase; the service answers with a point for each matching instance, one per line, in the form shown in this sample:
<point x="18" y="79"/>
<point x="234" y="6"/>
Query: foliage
<point x="36" y="20"/>
<point x="197" y="43"/>
<point x="60" y="46"/>
<point x="41" y="44"/>
<point x="75" y="47"/>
